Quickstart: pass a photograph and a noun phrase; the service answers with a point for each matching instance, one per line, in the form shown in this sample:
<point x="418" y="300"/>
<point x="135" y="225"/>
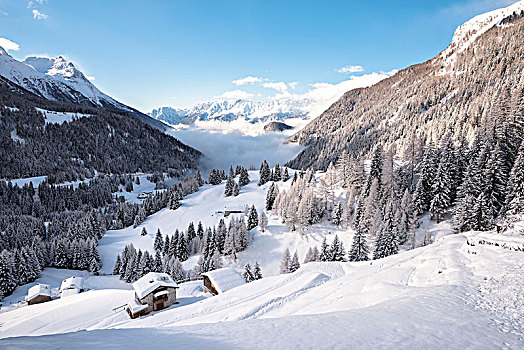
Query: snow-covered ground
<point x="266" y="247"/>
<point x="52" y="117"/>
<point x="445" y="295"/>
<point x="463" y="291"/>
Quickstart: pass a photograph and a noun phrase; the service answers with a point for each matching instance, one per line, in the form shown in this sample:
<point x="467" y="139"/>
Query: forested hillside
<point x="477" y="89"/>
<point x="105" y="141"/>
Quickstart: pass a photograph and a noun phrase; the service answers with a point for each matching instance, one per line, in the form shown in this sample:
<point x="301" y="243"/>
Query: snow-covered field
<point x="457" y="293"/>
<point x="52" y="117"/>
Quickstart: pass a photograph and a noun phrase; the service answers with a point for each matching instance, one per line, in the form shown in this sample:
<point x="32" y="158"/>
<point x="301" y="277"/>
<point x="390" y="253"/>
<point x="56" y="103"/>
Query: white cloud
<point x="280" y="86"/>
<point x="9" y="45"/>
<point x="236" y="95"/>
<point x="293" y="85"/>
<point x="350" y="69"/>
<point x="39" y="15"/>
<point x="248" y="80"/>
<point x="2" y="12"/>
<point x="324" y="95"/>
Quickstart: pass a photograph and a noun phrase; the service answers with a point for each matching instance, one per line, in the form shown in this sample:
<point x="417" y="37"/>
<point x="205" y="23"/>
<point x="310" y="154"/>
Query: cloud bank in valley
<point x="223" y="150"/>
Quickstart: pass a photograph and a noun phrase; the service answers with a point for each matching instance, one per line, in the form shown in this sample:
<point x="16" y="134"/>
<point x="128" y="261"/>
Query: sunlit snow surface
<point x="450" y="294"/>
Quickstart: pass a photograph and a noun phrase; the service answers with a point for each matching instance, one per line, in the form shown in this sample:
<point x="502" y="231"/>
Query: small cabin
<point x="221" y="280"/>
<point x="71" y="285"/>
<point x="154" y="291"/>
<point x="39" y="293"/>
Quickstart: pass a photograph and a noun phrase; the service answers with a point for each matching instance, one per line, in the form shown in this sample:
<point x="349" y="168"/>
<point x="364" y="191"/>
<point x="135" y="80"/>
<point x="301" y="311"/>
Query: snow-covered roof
<point x="72" y="282"/>
<point x="225" y="279"/>
<point x="152" y="281"/>
<point x="161" y="293"/>
<point x="38" y="289"/>
<point x="135" y="306"/>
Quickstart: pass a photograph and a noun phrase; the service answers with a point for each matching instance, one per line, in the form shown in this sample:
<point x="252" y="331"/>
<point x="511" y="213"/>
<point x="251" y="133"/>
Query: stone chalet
<point x="154" y="291"/>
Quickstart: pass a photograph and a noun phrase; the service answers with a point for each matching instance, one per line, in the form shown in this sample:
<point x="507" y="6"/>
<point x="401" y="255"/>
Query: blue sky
<point x="155" y="53"/>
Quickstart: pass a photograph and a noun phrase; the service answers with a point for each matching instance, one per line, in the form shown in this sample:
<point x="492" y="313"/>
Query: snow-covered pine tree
<point x="482" y="214"/>
<point x="182" y="248"/>
<point x="265" y="173"/>
<point x="177" y="270"/>
<point x="191" y="233"/>
<point x="285" y="175"/>
<point x="338" y="210"/>
<point x="515" y="188"/>
<point x="143" y="232"/>
<point x="236" y="189"/>
<point x="252" y="219"/>
<point x="230" y="184"/>
<point x="257" y="272"/>
<point x="263" y="221"/>
<point x="167" y="245"/>
<point x="243" y="178"/>
<point x="295" y="263"/>
<point x="441" y="190"/>
<point x="375" y="170"/>
<point x="325" y="254"/>
<point x="277" y="174"/>
<point x="386" y="243"/>
<point x="285" y="262"/>
<point x="248" y="274"/>
<point x="159" y="241"/>
<point x="116" y="268"/>
<point x="336" y="251"/>
<point x="271" y="196"/>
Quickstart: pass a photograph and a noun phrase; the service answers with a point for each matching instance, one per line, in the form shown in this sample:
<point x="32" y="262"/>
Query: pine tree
<point x="337" y="214"/>
<point x="157" y="264"/>
<point x="243" y="178"/>
<point x="271" y="196"/>
<point x="116" y="268"/>
<point x="230" y="185"/>
<point x="182" y="249"/>
<point x="324" y="252"/>
<point x="386" y="243"/>
<point x="309" y="256"/>
<point x="200" y="230"/>
<point x="252" y="219"/>
<point x="375" y="171"/>
<point x="295" y="263"/>
<point x="336" y="251"/>
<point x="515" y="187"/>
<point x="265" y="173"/>
<point x="177" y="270"/>
<point x="143" y="232"/>
<point x="257" y="272"/>
<point x="236" y="190"/>
<point x="191" y="233"/>
<point x="248" y="274"/>
<point x="263" y="221"/>
<point x="7" y="279"/>
<point x="285" y="175"/>
<point x="285" y="262"/>
<point x="159" y="242"/>
<point x="277" y="175"/>
<point x="441" y="193"/>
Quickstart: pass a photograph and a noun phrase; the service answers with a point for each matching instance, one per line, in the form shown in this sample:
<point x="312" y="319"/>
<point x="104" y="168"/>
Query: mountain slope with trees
<point x="468" y="89"/>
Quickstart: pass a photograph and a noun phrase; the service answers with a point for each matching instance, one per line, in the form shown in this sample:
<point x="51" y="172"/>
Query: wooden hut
<point x="39" y="293"/>
<point x="221" y="280"/>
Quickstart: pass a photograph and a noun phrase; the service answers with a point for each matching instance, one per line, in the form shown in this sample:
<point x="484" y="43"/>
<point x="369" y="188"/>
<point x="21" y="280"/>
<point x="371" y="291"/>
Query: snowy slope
<point x="445" y="295"/>
<point x="266" y="247"/>
<point x="466" y="34"/>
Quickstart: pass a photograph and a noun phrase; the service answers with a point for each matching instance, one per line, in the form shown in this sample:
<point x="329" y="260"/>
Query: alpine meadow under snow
<point x="383" y="212"/>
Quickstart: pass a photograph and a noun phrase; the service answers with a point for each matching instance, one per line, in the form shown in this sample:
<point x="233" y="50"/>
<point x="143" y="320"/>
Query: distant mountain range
<point x="57" y="79"/>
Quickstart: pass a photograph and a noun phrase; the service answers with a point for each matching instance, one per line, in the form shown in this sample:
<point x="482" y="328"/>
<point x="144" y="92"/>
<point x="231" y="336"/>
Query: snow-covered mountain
<point x="57" y="79"/>
<point x="470" y="86"/>
<point x="252" y="112"/>
<point x="468" y="32"/>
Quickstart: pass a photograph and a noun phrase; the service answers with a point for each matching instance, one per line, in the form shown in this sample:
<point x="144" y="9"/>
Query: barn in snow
<point x="154" y="291"/>
<point x="221" y="280"/>
<point x="71" y="285"/>
<point x="39" y="293"/>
